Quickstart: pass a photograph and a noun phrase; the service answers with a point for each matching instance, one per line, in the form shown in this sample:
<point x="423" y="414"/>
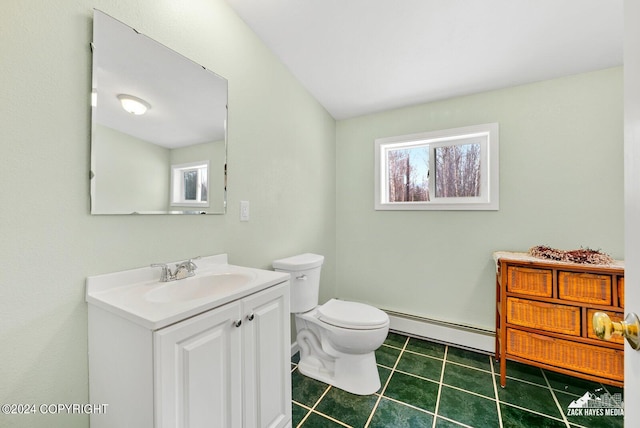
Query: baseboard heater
<point x="474" y="338"/>
<point x="462" y="336"/>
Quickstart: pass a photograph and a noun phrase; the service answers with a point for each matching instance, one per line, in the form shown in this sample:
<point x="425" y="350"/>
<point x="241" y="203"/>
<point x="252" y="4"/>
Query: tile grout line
<point x="375" y="406"/>
<point x="444" y="364"/>
<point x="310" y="410"/>
<point x="495" y="391"/>
<point x="535" y="412"/>
<point x="457" y="423"/>
<point x="457" y="388"/>
<point x="426" y="379"/>
<point x="411" y="406"/>
<point x="553" y="394"/>
<point x="418" y="376"/>
<point x="301" y="405"/>
<point x="314" y="406"/>
<point x="433" y="357"/>
<point x="331" y="418"/>
<point x="528" y="382"/>
<point x="449" y="362"/>
<point x="466" y="366"/>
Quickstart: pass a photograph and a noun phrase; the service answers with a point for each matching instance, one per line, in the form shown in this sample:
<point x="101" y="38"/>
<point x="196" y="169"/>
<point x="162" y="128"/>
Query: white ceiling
<point x="362" y="56"/>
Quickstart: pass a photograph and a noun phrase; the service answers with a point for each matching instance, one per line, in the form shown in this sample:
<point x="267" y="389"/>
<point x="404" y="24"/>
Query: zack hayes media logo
<point x="591" y="404"/>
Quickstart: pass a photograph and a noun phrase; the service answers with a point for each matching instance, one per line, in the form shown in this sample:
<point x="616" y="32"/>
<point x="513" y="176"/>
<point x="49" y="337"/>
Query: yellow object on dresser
<point x="544" y="316"/>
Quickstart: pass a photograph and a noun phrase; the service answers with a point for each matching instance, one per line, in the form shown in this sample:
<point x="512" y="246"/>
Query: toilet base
<point x="357" y="374"/>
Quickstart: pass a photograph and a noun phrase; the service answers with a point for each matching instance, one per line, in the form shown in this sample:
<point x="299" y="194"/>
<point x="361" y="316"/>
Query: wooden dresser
<point x="544" y="316"/>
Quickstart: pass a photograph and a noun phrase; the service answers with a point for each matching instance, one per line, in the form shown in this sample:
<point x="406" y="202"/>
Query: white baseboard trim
<point x="463" y="336"/>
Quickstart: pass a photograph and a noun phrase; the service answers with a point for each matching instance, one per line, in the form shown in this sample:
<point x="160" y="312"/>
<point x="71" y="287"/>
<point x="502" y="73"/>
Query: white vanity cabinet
<point x="227" y="366"/>
<point x="198" y="371"/>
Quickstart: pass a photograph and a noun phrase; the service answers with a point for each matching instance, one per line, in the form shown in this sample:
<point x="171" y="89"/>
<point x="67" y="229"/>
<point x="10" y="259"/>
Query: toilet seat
<point x="352" y="315"/>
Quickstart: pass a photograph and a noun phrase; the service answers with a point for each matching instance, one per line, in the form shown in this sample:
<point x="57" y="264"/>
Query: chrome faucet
<point x="165" y="273"/>
<point x="183" y="270"/>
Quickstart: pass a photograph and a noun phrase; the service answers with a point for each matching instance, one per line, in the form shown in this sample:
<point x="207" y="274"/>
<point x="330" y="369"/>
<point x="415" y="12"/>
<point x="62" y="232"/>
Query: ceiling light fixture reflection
<point x="133" y="105"/>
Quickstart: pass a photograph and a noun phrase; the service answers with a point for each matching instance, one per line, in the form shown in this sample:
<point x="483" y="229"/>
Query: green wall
<point x="561" y="184"/>
<point x="130" y="174"/>
<point x="281" y="159"/>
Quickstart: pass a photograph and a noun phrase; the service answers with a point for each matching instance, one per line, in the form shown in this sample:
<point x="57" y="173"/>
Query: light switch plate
<point x="244" y="210"/>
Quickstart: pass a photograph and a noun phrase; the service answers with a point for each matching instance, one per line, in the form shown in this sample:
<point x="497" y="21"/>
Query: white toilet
<point x="337" y="340"/>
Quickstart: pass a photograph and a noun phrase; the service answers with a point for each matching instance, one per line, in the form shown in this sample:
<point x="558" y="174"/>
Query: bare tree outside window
<point x="457" y="171"/>
<point x="449" y="169"/>
<point x="409" y="174"/>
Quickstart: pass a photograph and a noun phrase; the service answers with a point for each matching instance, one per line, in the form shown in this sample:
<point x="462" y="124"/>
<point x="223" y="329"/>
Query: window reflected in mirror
<point x="190" y="184"/>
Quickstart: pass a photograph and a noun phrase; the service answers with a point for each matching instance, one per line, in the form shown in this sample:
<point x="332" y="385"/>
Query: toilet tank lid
<point x="299" y="262"/>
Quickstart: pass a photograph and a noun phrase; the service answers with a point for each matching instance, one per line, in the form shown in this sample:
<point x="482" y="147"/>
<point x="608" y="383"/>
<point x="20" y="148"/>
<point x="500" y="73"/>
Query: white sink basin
<point x="138" y="296"/>
<point x="198" y="287"/>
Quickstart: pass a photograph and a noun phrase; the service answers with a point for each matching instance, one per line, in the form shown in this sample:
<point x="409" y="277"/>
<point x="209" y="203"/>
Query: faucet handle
<point x="185" y="269"/>
<point x="165" y="273"/>
<point x="191" y="265"/>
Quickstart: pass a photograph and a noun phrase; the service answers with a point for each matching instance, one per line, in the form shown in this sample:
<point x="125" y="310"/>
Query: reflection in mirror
<point x="158" y="137"/>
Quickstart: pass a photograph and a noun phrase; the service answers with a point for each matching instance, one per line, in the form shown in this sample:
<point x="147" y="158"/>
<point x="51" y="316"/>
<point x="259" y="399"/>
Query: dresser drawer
<point x="615" y="316"/>
<point x="589" y="359"/>
<point x="621" y="292"/>
<point x="544" y="316"/>
<point x="535" y="282"/>
<point x="585" y="287"/>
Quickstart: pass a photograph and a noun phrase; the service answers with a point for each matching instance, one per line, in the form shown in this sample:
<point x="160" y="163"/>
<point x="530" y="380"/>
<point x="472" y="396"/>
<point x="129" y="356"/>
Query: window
<point x="190" y="184"/>
<point x="453" y="169"/>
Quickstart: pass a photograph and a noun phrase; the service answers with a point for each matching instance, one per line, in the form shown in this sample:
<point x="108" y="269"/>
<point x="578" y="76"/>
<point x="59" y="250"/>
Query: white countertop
<point x="125" y="293"/>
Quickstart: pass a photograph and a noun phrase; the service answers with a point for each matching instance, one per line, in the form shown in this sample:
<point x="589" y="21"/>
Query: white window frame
<point x="178" y="185"/>
<point x="486" y="134"/>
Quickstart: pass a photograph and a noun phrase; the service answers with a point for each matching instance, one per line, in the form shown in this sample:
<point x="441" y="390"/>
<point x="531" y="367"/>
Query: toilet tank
<point x="305" y="279"/>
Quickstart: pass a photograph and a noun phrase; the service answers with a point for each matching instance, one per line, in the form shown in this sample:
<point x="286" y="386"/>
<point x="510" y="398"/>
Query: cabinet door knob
<point x="237" y="323"/>
<point x="251" y="316"/>
<point x="604" y="328"/>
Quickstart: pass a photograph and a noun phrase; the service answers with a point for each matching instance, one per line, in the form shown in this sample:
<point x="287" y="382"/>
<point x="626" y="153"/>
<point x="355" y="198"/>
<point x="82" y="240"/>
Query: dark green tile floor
<point x="427" y="384"/>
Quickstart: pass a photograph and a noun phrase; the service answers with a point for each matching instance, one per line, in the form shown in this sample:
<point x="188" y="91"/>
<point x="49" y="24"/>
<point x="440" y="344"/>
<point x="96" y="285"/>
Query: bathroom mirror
<point x="169" y="159"/>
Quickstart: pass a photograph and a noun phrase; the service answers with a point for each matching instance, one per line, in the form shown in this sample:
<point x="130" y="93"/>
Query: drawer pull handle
<point x="604" y="328"/>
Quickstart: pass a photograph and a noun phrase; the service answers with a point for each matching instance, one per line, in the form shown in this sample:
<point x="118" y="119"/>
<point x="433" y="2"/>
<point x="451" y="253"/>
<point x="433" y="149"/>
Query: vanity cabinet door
<point x="198" y="371"/>
<point x="267" y="358"/>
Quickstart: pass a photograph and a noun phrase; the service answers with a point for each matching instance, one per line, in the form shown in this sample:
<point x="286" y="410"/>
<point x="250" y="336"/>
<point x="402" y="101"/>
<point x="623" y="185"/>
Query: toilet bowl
<point x="338" y="339"/>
